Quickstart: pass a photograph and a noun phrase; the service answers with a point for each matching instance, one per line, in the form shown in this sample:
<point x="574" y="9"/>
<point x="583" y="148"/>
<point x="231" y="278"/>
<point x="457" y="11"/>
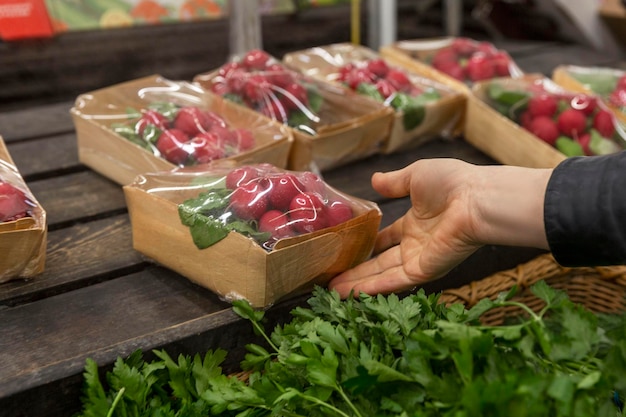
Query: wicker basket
<point x="600" y="289"/>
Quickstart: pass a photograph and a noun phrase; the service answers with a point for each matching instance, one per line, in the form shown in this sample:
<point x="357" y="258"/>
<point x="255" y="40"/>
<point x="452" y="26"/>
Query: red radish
<point x="542" y="105"/>
<point x="171" y="144"/>
<point x="207" y="147"/>
<point x="313" y="183"/>
<point x="463" y="46"/>
<point x="544" y="128"/>
<point x="338" y="212"/>
<point x="385" y="88"/>
<point x="192" y="120"/>
<point x="603" y="123"/>
<point x="583" y="103"/>
<point x="398" y="79"/>
<point x="479" y="67"/>
<point x="227" y="69"/>
<point x="501" y="63"/>
<point x="378" y="67"/>
<point x="283" y="188"/>
<point x="255" y="59"/>
<point x="240" y="176"/>
<point x="14" y="204"/>
<point x="307" y="213"/>
<point x="572" y="122"/>
<point x="276" y="223"/>
<point x="249" y="201"/>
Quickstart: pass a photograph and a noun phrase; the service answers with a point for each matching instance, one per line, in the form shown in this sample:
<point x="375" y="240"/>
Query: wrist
<point x="508" y="203"/>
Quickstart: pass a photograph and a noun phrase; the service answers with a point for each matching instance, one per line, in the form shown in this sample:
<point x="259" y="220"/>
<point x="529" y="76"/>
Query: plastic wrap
<point x="332" y="125"/>
<point x="424" y="109"/>
<point x="458" y="61"/>
<point x="154" y="124"/>
<point x="249" y="231"/>
<point x="607" y="83"/>
<point x="23" y="227"/>
<point x="576" y="124"/>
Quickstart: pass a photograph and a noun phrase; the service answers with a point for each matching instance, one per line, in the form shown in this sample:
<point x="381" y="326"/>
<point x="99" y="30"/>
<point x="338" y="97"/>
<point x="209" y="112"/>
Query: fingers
<point x="389" y="236"/>
<point x="383" y="274"/>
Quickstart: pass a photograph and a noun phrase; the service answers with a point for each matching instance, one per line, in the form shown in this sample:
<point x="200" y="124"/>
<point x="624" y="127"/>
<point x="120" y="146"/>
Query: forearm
<point x="585" y="211"/>
<point x="508" y="206"/>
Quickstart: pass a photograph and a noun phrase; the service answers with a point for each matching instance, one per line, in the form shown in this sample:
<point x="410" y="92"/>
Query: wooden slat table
<point x="99" y="298"/>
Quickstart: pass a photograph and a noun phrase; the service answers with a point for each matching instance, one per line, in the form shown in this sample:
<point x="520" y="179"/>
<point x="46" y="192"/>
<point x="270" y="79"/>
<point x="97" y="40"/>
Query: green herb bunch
<point x="388" y="356"/>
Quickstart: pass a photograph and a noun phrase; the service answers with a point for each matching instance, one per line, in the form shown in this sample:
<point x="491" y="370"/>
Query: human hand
<point x="456" y="208"/>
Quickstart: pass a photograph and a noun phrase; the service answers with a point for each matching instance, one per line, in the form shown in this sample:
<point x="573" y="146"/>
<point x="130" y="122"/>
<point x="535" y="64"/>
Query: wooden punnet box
<point x="99" y="115"/>
<point x="22" y="241"/>
<point x="506" y="140"/>
<point x="236" y="266"/>
<point x="439" y="110"/>
<point x="346" y="126"/>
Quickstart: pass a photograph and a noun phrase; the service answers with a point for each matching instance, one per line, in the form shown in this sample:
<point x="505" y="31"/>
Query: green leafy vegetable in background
<point x="388" y="356"/>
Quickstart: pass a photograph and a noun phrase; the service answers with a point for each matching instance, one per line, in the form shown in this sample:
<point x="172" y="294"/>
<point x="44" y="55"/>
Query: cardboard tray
<point x="351" y="127"/>
<point x="563" y="76"/>
<point x="22" y="242"/>
<point x="503" y="139"/>
<point x="121" y="160"/>
<point x="441" y="116"/>
<point x="237" y="267"/>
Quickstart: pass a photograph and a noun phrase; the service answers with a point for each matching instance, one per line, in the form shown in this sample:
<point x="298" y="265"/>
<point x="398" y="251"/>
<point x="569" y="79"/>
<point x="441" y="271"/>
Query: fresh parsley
<point x="388" y="356"/>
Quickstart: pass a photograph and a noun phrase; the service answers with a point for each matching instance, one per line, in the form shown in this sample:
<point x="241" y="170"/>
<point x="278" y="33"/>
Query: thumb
<point x="393" y="184"/>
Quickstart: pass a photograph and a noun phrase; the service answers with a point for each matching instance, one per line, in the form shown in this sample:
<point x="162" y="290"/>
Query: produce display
<point x="265" y="203"/>
<point x="574" y="123"/>
<point x="387" y="356"/>
<point x="261" y="82"/>
<point x="184" y="135"/>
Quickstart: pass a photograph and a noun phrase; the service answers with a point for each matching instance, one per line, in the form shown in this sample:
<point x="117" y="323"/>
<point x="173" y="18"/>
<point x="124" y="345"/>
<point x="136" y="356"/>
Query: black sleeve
<point x="585" y="211"/>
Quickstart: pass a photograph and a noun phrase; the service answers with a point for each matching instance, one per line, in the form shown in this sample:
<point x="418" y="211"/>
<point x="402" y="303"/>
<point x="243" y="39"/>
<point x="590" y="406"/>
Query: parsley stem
<point x="116" y="400"/>
<point x="347" y="400"/>
<point x="325" y="404"/>
<point x="261" y="331"/>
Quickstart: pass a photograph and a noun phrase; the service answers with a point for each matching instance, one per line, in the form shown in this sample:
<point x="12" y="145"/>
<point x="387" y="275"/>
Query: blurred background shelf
<point x="59" y="68"/>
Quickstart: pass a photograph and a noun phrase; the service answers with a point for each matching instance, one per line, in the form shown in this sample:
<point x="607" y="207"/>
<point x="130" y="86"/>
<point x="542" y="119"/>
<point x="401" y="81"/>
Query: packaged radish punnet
<point x="23" y="226"/>
<point x="464" y="59"/>
<point x="576" y="124"/>
<point x="607" y="83"/>
<point x="168" y="124"/>
<point x="332" y="125"/>
<point x="252" y="231"/>
<point x="423" y="106"/>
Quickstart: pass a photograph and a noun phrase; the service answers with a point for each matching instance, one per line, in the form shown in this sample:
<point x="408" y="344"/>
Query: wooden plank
<point x="35" y="122"/>
<point x="52" y="338"/>
<point x="47" y="156"/>
<point x="78" y="256"/>
<point x="73" y="197"/>
<point x="221" y="329"/>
